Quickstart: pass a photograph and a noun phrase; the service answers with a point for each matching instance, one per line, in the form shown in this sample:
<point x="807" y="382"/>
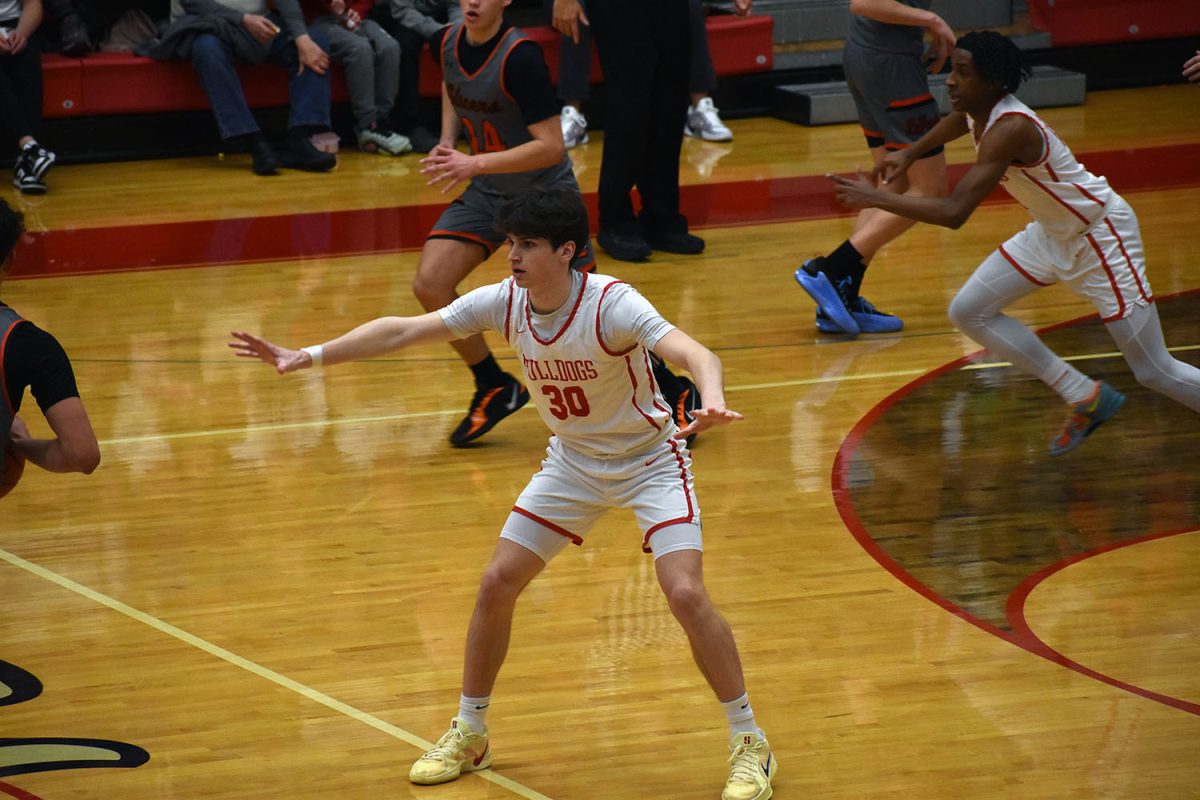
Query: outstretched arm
<point x="374" y="338"/>
<point x="1012" y="139"/>
<point x="679" y="348"/>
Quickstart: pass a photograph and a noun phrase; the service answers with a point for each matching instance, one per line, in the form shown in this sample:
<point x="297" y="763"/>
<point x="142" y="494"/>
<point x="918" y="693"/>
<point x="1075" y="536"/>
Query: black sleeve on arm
<point x="35" y="359"/>
<point x="435" y="44"/>
<point x="527" y="79"/>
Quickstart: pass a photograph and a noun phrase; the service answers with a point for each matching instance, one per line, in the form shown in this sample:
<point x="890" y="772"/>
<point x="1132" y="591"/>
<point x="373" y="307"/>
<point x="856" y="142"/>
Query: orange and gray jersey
<point x="491" y="119"/>
<point x="1058" y="191"/>
<point x="587" y="364"/>
<point x="889" y="37"/>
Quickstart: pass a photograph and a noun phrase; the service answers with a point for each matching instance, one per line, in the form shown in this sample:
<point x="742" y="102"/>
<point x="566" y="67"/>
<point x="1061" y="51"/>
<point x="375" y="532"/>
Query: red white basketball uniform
<point x="587" y="366"/>
<point x="1083" y="232"/>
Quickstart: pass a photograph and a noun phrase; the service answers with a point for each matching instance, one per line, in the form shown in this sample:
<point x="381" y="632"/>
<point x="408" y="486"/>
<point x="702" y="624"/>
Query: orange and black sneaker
<point x="488" y="407"/>
<point x="687" y="401"/>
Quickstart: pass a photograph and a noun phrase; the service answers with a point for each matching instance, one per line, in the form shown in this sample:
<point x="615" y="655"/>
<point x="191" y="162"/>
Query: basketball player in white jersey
<point x="1083" y="233"/>
<point x="584" y="342"/>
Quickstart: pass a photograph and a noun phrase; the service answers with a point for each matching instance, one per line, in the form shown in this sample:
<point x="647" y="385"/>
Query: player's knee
<point x="686" y="599"/>
<point x="498" y="587"/>
<point x="962" y="314"/>
<point x="1152" y="378"/>
<point x="431" y="293"/>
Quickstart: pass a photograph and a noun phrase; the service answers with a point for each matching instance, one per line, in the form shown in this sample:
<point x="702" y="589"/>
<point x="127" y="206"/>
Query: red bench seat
<point x="120" y="83"/>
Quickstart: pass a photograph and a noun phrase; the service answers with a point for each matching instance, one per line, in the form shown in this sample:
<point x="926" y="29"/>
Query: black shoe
<point x="266" y="160"/>
<point x="624" y="246"/>
<point x="33" y="162"/>
<point x="488" y="407"/>
<point x="422" y="139"/>
<point x="301" y="154"/>
<point x="680" y="242"/>
<point x="37" y="160"/>
<point x="75" y="39"/>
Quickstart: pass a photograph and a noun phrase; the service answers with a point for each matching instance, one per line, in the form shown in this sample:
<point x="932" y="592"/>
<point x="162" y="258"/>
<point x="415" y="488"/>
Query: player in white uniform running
<point x="584" y="341"/>
<point x="1083" y="233"/>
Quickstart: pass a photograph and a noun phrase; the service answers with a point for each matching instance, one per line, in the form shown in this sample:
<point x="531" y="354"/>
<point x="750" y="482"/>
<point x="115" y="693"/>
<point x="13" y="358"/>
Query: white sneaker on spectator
<point x="574" y="127"/>
<point x="378" y="138"/>
<point x="703" y="121"/>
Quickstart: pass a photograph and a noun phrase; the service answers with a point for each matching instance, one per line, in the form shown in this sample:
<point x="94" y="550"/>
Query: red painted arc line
<point x="1022" y="638"/>
<point x="13" y="791"/>
<point x="403" y="228"/>
<point x="1015" y="611"/>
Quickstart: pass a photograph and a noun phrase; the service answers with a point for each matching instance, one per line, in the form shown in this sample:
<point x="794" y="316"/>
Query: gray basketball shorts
<point x="891" y="93"/>
<point x="470" y="218"/>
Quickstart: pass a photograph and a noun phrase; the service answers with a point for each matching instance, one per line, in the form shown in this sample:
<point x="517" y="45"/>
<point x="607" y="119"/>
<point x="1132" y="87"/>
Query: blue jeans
<point x="308" y="93"/>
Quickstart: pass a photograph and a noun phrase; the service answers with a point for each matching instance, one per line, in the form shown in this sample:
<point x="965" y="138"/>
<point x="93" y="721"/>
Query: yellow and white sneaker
<point x="460" y="750"/>
<point x="752" y="768"/>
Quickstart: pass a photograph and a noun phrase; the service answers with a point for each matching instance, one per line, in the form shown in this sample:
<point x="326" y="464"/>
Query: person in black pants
<point x="21" y="93"/>
<point x="645" y="52"/>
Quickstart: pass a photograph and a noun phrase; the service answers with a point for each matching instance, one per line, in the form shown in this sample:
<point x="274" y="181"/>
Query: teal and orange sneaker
<point x="1086" y="417"/>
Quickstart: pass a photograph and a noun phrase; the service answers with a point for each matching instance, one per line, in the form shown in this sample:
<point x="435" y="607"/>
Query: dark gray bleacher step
<point x="830" y="103"/>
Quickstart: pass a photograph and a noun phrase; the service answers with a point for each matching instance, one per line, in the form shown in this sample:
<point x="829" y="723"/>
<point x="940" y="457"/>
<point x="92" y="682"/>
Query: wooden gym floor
<point x="264" y="588"/>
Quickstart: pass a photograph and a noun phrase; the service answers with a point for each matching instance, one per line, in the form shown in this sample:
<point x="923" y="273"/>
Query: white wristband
<point x="317" y="353"/>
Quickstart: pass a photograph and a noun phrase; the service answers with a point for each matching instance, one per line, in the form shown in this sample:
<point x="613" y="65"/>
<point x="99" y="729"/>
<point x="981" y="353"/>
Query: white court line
<point x="256" y="669"/>
<point x="331" y="423"/>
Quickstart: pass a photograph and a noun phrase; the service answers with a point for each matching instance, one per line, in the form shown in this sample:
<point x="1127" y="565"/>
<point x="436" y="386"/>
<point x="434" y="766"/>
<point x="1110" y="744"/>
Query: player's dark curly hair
<point x="12" y="225"/>
<point x="996" y="58"/>
<point x="553" y="213"/>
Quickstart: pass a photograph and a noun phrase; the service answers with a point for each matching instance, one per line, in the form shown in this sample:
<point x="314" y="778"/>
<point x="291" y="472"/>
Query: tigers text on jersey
<point x="1057" y="190"/>
<point x="587" y="364"/>
<point x="491" y="118"/>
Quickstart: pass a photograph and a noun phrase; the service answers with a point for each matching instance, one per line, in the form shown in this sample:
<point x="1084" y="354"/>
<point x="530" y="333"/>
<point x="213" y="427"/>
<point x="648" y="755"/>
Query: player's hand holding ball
<point x="14" y="463"/>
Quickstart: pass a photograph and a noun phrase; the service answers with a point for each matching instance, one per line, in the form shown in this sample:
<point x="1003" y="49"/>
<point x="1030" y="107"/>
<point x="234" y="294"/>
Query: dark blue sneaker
<point x="827" y="297"/>
<point x="1086" y="417"/>
<point x="869" y="319"/>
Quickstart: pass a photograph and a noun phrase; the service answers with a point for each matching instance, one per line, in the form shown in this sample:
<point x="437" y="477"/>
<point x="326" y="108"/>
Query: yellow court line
<point x="329" y="423"/>
<point x="256" y="669"/>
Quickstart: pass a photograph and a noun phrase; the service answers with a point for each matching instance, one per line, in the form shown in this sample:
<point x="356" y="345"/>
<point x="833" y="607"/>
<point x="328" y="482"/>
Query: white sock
<point x="474" y="711"/>
<point x="740" y="716"/>
<point x="1074" y="387"/>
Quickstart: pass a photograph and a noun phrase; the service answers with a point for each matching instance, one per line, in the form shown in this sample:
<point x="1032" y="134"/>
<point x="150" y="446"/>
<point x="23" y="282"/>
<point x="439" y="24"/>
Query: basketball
<point x="14" y="465"/>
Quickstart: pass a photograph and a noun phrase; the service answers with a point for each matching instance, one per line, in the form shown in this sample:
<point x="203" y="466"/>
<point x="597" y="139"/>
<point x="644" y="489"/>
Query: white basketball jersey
<point x="587" y="366"/>
<point x="1057" y="190"/>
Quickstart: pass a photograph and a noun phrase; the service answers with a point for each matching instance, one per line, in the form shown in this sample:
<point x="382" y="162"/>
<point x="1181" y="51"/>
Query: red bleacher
<point x="1087" y="22"/>
<point x="117" y="83"/>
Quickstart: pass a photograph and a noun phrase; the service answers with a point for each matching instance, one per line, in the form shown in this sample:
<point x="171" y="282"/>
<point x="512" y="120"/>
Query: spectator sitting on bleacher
<point x="84" y="23"/>
<point x="370" y="60"/>
<point x="21" y="92"/>
<point x="218" y="33"/>
<point x="412" y="23"/>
